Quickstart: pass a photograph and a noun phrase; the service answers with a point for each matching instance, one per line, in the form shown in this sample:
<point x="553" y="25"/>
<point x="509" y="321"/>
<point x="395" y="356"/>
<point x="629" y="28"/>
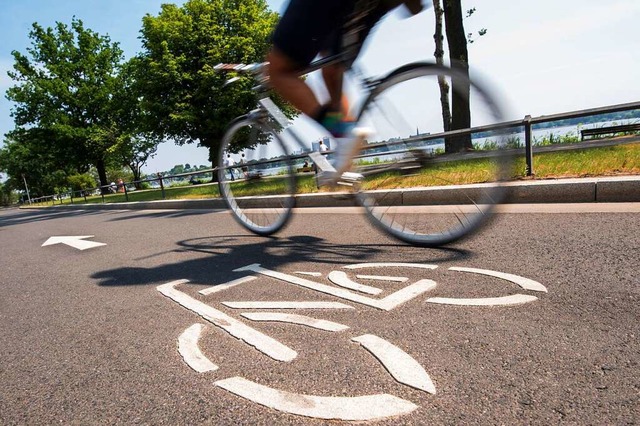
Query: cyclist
<point x="311" y="27"/>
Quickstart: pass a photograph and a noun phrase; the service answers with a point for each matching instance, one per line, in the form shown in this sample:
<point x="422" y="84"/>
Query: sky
<point x="543" y="56"/>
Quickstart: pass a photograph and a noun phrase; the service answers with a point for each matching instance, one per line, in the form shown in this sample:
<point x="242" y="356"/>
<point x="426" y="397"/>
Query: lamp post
<point x="26" y="187"/>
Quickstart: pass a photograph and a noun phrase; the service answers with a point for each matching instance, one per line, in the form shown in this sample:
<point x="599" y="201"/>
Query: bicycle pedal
<point x="351" y="177"/>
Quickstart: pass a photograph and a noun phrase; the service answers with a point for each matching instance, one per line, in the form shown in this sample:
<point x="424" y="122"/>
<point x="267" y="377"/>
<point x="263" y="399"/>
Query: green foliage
<point x="134" y="144"/>
<point x="551" y="139"/>
<point x="66" y="82"/>
<point x="186" y="99"/>
<point x="72" y="86"/>
<point x="79" y="182"/>
<point x="177" y="170"/>
<point x="65" y="86"/>
<point x="26" y="154"/>
<point x="8" y="197"/>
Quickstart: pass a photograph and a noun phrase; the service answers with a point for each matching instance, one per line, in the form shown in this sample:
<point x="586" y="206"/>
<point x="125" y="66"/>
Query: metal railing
<point x="120" y="188"/>
<point x="527" y="124"/>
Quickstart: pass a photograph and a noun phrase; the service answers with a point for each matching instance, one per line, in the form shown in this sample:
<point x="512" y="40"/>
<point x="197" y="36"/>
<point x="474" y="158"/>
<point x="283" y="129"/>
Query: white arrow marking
<point x="356" y="408"/>
<point x="76" y="242"/>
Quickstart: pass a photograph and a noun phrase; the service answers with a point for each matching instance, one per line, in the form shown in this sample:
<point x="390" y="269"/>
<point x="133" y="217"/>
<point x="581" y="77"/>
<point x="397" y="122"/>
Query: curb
<point x="575" y="190"/>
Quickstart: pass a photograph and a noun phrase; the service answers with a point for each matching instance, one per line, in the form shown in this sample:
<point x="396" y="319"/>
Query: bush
<point x="7" y="196"/>
<point x="81" y="181"/>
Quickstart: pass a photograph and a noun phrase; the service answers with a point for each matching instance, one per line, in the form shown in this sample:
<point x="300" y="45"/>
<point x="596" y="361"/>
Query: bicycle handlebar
<point x="257" y="70"/>
<point x="254" y="68"/>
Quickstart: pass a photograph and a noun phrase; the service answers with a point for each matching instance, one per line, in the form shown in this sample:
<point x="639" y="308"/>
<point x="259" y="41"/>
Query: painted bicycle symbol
<point x="398" y="363"/>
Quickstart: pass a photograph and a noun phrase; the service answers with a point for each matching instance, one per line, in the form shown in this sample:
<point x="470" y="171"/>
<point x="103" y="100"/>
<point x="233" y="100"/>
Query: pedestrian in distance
<point x="228" y="162"/>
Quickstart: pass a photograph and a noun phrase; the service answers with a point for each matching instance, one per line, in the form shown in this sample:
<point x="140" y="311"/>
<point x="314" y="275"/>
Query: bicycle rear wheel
<point x="423" y="184"/>
<point x="257" y="183"/>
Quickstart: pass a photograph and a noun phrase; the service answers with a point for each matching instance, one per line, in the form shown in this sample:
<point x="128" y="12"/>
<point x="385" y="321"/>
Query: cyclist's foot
<point x="335" y="123"/>
<point x="329" y="178"/>
<point x="348" y="148"/>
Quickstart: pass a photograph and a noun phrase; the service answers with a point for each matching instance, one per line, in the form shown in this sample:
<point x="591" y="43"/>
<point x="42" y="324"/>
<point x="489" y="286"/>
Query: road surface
<point x="181" y="317"/>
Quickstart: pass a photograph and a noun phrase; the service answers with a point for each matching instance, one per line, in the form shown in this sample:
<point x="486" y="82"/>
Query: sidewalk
<point x="574" y="190"/>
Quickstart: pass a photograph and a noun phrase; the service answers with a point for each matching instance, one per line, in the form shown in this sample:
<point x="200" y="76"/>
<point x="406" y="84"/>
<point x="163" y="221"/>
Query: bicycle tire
<point x="259" y="200"/>
<point x="423" y="200"/>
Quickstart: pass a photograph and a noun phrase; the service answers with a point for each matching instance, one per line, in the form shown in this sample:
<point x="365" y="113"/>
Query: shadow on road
<point x="19" y="216"/>
<point x="224" y="254"/>
<point x="11" y="217"/>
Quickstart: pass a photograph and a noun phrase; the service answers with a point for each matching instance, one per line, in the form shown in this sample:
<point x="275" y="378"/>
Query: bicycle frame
<point x="266" y="106"/>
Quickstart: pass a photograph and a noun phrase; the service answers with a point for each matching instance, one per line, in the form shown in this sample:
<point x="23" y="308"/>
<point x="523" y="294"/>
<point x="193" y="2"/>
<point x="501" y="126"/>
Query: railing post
<point x="126" y="194"/>
<point x="528" y="146"/>
<point x="161" y="184"/>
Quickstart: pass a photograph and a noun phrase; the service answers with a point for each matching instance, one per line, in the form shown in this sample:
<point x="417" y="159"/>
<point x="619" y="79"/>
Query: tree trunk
<point x="458" y="55"/>
<point x="213" y="157"/>
<point x="439" y="56"/>
<point x="102" y="174"/>
<point x="136" y="170"/>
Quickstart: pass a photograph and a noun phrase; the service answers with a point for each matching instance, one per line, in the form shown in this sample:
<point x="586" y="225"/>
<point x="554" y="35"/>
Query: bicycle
<point x="409" y="186"/>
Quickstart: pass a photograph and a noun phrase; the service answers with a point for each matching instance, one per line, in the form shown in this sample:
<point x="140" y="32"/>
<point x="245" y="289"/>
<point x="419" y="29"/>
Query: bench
<point x="304" y="169"/>
<point x="609" y="130"/>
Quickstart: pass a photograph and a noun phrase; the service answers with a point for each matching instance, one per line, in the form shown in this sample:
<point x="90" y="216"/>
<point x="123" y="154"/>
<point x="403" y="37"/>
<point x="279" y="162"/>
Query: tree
<point x="178" y="169"/>
<point x="26" y="153"/>
<point x="482" y="31"/>
<point x="65" y="86"/>
<point x="459" y="58"/>
<point x="461" y="117"/>
<point x="439" y="56"/>
<point x="186" y="99"/>
<point x="7" y="195"/>
<point x="134" y="146"/>
<point x="80" y="182"/>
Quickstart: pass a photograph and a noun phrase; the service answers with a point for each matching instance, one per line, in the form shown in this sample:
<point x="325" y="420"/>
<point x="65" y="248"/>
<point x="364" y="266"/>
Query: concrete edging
<point x="575" y="190"/>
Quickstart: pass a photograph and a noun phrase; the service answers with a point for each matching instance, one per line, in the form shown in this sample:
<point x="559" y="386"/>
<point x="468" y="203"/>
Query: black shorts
<point x="309" y="27"/>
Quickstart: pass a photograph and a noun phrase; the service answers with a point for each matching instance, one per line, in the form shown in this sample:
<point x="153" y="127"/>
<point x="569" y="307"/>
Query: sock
<point x="321" y="113"/>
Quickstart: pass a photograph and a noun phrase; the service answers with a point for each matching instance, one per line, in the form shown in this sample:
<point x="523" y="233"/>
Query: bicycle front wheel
<point x="256" y="176"/>
<point x="424" y="183"/>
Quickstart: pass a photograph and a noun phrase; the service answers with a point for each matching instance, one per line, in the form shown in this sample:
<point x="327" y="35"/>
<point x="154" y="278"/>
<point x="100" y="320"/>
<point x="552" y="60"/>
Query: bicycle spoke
<point x="413" y="189"/>
<point x="262" y="197"/>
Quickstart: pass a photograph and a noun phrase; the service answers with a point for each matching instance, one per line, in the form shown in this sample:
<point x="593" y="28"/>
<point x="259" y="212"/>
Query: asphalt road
<point x="87" y="337"/>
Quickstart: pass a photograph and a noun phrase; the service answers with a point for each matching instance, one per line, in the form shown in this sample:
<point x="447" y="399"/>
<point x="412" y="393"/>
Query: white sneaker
<point x="330" y="178"/>
<point x="348" y="148"/>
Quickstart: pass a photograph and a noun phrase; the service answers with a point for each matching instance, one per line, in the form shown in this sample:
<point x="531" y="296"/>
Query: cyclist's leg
<point x="333" y="77"/>
<point x="306" y="28"/>
<point x="283" y="75"/>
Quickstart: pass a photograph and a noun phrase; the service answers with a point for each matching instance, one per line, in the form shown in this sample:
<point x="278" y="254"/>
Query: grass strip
<point x="603" y="161"/>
